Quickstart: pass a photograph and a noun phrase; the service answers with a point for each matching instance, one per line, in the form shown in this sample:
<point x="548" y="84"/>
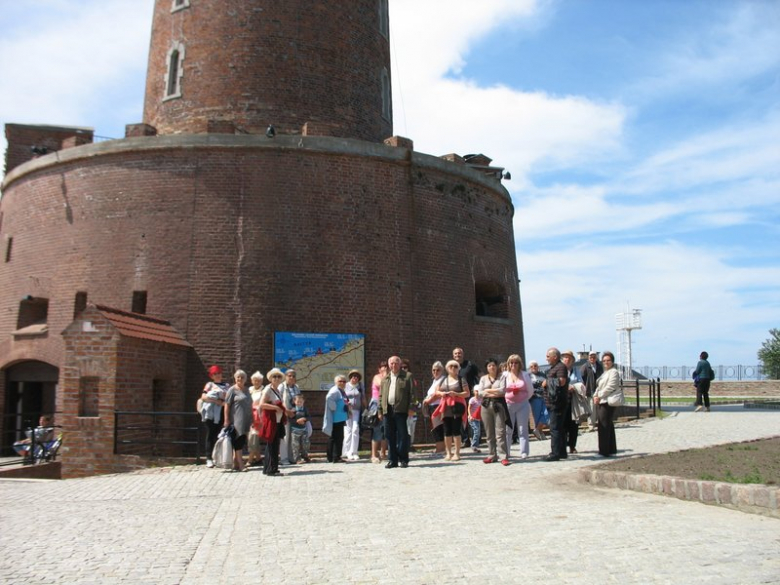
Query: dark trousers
<point x="212" y="432"/>
<point x="271" y="460"/>
<point x="558" y="431"/>
<point x="703" y="393"/>
<point x="572" y="429"/>
<point x="397" y="436"/>
<point x="606" y="429"/>
<point x="336" y="442"/>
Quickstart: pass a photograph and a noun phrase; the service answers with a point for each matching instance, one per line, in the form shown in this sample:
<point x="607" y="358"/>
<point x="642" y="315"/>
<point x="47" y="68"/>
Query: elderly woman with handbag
<point x="238" y="414"/>
<point x="608" y="396"/>
<point x="274" y="416"/>
<point x="451" y="412"/>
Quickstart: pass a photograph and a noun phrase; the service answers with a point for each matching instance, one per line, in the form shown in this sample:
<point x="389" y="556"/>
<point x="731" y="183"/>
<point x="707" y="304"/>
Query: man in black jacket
<point x="556" y="392"/>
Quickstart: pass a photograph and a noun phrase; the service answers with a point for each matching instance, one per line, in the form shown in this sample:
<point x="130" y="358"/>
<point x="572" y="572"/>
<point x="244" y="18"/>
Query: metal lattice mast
<point x="625" y="323"/>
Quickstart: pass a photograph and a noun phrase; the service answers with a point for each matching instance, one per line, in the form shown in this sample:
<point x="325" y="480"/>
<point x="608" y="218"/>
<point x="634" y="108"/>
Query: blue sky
<point x="643" y="138"/>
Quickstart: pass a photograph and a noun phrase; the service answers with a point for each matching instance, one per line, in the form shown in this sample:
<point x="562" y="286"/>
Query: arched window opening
<point x="175" y="72"/>
<point x="490" y="300"/>
<point x="387" y="109"/>
<point x="139" y="302"/>
<point x="80" y="303"/>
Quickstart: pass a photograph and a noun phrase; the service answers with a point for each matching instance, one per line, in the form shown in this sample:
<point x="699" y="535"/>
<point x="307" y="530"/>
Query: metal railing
<point x="685" y="373"/>
<point x="653" y="393"/>
<point x="158" y="434"/>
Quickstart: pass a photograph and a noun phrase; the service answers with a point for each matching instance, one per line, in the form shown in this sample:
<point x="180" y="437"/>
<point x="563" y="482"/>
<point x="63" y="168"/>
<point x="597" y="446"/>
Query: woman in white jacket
<point x="608" y="386"/>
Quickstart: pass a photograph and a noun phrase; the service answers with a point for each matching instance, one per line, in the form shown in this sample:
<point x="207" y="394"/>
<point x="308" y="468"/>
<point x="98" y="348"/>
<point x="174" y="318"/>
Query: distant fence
<point x="686" y="372"/>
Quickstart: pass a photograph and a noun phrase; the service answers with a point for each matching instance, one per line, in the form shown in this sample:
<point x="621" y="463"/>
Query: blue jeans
<point x="397" y="436"/>
<point x="539" y="408"/>
<point x="476" y="429"/>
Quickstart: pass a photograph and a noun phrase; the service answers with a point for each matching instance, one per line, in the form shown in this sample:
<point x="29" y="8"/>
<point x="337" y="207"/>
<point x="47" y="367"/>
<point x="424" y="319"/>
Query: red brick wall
<point x="269" y="62"/>
<point x="126" y="368"/>
<point x="22" y="137"/>
<point x="233" y="242"/>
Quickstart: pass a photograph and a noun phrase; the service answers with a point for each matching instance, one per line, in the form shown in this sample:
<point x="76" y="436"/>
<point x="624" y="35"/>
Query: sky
<point x="643" y="140"/>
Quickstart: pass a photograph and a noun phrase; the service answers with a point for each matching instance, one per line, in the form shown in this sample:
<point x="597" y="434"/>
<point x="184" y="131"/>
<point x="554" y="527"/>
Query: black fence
<point x="685" y="373"/>
<point x="637" y="387"/>
<point x="158" y="434"/>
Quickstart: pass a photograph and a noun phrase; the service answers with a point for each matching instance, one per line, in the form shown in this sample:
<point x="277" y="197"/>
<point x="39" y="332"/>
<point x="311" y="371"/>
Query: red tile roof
<point x="142" y="326"/>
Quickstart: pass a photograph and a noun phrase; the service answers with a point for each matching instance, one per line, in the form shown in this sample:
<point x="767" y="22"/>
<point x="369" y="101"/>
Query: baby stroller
<point x="40" y="446"/>
<point x="46" y="451"/>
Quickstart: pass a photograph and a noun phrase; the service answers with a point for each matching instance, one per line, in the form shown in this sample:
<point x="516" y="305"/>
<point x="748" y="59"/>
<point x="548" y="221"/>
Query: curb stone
<point x="754" y="499"/>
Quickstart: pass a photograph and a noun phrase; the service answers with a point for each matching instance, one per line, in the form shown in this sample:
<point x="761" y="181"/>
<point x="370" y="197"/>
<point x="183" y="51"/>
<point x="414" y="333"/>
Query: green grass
<point x="728" y="477"/>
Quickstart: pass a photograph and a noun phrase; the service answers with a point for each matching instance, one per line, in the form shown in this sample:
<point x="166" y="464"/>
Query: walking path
<point x="435" y="522"/>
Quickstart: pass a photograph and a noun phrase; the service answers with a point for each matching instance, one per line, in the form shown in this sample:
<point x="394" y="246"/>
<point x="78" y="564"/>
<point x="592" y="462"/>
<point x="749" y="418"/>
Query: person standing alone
<point x="703" y="375"/>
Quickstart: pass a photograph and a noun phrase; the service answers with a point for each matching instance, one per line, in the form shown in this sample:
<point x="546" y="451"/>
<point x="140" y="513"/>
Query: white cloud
<point x="742" y="45"/>
<point x="74" y="59"/>
<point x="447" y="113"/>
<point x="687" y="294"/>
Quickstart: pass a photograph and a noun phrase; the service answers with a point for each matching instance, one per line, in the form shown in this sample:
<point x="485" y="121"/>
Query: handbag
<point x="580" y="407"/>
<point x="223" y="451"/>
<point x="616" y="399"/>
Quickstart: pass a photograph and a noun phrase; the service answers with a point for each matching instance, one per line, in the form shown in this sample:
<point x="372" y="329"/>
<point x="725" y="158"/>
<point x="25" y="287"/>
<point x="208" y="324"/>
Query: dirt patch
<point x="749" y="462"/>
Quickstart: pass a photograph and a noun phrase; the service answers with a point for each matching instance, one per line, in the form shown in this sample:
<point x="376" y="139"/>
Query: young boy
<point x="300" y="435"/>
<point x="475" y="420"/>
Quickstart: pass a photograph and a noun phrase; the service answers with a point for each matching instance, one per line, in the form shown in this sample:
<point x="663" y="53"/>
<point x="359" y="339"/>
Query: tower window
<point x="9" y="244"/>
<point x="490" y="300"/>
<point x="89" y="401"/>
<point x="79" y="304"/>
<point x="139" y="302"/>
<point x="384" y="19"/>
<point x="179" y="4"/>
<point x="32" y="311"/>
<point x="386" y="99"/>
<point x="175" y="72"/>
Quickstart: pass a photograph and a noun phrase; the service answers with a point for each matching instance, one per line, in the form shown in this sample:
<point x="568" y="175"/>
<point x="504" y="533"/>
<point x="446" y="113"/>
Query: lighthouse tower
<point x="256" y="63"/>
<point x="262" y="193"/>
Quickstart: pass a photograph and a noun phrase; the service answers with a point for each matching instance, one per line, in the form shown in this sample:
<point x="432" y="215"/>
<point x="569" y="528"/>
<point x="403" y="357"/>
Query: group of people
<point x="275" y="414"/>
<point x="503" y="402"/>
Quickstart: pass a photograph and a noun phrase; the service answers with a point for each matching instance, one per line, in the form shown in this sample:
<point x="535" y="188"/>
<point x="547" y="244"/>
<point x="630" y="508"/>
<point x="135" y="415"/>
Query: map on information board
<point x="318" y="357"/>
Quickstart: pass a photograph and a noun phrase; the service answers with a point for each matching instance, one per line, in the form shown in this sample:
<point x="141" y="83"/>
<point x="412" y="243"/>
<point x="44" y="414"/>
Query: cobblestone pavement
<point x="360" y="523"/>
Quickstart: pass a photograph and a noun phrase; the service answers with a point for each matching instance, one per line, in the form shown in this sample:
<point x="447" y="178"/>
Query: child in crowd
<point x="300" y="435"/>
<point x="475" y="420"/>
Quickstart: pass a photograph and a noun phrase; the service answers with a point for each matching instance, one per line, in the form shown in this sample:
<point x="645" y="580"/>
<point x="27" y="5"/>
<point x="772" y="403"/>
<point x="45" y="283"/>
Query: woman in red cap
<point x="212" y="400"/>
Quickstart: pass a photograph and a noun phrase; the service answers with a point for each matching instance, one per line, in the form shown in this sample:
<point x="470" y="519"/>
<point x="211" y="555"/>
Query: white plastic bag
<point x="223" y="451"/>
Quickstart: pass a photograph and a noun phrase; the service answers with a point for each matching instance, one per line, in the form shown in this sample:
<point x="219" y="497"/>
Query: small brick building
<point x="116" y="361"/>
<point x="263" y="191"/>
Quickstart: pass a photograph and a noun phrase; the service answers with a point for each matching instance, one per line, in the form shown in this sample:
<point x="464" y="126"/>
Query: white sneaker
<point x="354" y="458"/>
<point x="698" y="409"/>
<point x="523" y="456"/>
<point x="209" y="463"/>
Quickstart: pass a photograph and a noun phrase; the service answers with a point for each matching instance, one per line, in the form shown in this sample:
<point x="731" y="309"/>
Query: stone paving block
<point x="205" y="526"/>
<point x="723" y="492"/>
<point x="708" y="492"/>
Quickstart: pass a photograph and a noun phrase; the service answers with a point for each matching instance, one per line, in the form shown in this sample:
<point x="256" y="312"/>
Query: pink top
<point x="374" y="391"/>
<point x="518" y="391"/>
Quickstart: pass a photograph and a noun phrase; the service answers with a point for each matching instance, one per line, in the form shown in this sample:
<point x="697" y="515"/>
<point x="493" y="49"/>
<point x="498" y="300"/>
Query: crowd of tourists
<point x="507" y="404"/>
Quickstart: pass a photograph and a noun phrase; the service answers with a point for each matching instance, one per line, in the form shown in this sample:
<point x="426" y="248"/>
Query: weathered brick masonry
<point x="332" y="225"/>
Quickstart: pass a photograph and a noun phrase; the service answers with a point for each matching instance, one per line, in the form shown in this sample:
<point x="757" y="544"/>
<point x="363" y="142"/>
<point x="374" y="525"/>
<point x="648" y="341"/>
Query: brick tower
<point x="264" y="62"/>
<point x="201" y="223"/>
